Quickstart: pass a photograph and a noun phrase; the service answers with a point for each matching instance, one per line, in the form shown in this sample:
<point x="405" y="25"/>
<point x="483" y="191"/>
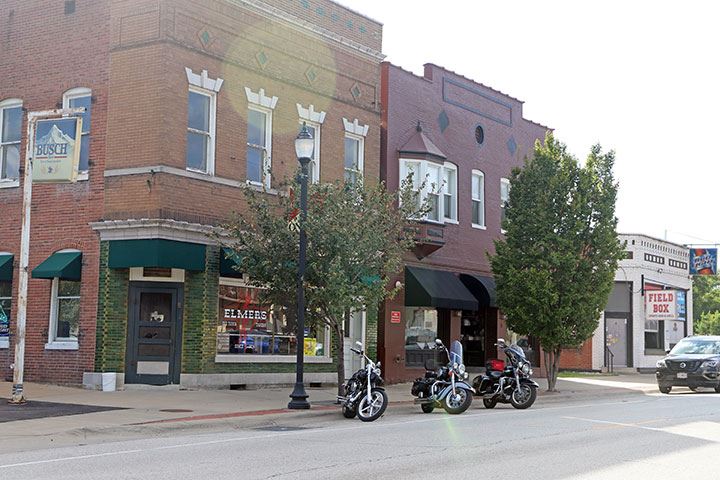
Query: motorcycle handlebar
<point x="356" y="351"/>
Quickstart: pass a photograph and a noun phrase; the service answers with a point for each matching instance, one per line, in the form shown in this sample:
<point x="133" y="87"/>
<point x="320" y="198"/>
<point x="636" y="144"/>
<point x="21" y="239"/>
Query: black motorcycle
<point x="364" y="395"/>
<point x="508" y="382"/>
<point x="446" y="386"/>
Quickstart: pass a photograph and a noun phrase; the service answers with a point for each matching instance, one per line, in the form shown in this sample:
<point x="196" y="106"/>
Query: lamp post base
<point x="299" y="398"/>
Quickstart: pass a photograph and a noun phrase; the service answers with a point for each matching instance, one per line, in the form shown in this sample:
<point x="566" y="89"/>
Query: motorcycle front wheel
<point x="427" y="407"/>
<point x="369" y="411"/>
<point x="458" y="403"/>
<point x="489" y="402"/>
<point x="524" y="396"/>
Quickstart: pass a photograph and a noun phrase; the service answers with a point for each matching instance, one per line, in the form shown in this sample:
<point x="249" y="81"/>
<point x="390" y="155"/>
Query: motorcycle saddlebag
<point x="419" y="385"/>
<point x="495" y="365"/>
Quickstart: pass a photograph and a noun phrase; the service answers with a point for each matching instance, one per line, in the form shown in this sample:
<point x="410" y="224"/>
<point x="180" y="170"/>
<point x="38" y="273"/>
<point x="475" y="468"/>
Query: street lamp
<point x="304" y="146"/>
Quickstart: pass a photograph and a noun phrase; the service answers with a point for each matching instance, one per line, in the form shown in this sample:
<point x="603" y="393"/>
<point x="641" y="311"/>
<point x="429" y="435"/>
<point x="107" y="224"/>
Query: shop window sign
<point x="5" y="299"/>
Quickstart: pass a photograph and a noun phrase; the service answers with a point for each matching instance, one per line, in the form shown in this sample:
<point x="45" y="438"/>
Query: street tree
<point x="706" y="304"/>
<point x="554" y="269"/>
<point x="357" y="235"/>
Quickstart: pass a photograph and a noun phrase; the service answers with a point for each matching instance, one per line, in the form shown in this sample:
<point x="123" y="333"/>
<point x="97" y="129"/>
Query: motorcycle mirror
<point x="359" y="344"/>
<point x="438" y="342"/>
<point x="500" y="341"/>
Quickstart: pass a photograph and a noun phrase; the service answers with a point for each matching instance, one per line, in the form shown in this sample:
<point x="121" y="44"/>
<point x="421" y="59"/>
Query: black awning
<point x="436" y="288"/>
<point x="6" y="267"/>
<point x="483" y="288"/>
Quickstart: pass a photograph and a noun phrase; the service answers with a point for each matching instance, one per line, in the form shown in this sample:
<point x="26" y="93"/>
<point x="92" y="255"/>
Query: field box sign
<point x="660" y="305"/>
<point x="56" y="151"/>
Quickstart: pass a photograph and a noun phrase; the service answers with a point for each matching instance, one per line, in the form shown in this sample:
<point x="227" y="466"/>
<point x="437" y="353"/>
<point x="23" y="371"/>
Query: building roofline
<point x="352" y="10"/>
<point x="684" y="245"/>
<point x="474" y="81"/>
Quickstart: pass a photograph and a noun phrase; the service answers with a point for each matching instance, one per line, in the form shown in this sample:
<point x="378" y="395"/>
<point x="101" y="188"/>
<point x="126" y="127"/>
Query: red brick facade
<point x="133" y="55"/>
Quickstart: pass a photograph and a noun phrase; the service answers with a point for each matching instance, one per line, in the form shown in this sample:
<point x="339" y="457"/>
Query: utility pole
<point x="18" y="395"/>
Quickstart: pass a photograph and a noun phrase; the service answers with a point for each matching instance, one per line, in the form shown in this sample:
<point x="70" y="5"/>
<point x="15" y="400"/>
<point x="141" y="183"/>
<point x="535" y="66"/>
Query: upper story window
<point x="504" y="197"/>
<point x="313" y="121"/>
<point x="202" y="108"/>
<point x="81" y="98"/>
<point x="478" y="199"/>
<point x="354" y="153"/>
<point x="10" y="135"/>
<point x="354" y="164"/>
<point x="449" y="192"/>
<point x="259" y="137"/>
<point x="200" y="154"/>
<point x="439" y="189"/>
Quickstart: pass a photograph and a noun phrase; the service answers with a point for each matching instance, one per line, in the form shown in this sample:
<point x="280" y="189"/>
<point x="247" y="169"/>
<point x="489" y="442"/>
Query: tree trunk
<point x="340" y="356"/>
<point x="552" y="365"/>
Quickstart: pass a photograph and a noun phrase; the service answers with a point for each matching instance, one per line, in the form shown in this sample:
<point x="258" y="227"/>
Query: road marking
<point x="439" y="418"/>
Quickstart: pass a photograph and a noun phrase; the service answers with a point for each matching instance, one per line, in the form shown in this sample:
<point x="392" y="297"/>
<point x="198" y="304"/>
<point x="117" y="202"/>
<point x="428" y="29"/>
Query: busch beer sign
<point x="660" y="305"/>
<point x="56" y="153"/>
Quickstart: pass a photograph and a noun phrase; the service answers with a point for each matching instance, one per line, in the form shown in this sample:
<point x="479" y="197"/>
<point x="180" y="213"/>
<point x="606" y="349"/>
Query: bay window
<point x="434" y="183"/>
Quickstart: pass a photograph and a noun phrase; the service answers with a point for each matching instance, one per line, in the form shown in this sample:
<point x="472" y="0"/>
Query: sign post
<point x="68" y="149"/>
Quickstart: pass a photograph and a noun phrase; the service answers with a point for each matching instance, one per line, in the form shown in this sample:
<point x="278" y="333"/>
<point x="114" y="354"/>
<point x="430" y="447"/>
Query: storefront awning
<point x="156" y="253"/>
<point x="229" y="260"/>
<point x="483" y="288"/>
<point x="6" y="267"/>
<point x="64" y="265"/>
<point x="436" y="288"/>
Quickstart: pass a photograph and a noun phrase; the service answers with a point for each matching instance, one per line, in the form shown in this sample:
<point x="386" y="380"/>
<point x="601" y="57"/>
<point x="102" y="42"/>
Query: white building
<point x="633" y="340"/>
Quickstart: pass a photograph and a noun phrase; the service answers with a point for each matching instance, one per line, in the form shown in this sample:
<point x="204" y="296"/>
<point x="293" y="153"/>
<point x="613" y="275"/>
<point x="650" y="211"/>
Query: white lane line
<point x="442" y="418"/>
<point x="618" y="424"/>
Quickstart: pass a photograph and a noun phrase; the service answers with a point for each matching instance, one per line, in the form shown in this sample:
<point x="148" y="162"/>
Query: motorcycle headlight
<point x="525" y="368"/>
<point x="710" y="363"/>
<point x="461" y="369"/>
<point x="661" y="364"/>
<point x="455" y="366"/>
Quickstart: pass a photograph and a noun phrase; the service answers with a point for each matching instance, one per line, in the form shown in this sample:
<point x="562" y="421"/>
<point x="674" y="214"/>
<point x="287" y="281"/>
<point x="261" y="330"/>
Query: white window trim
<point x="55" y="343"/>
<point x="202" y="80"/>
<point x="361" y="153"/>
<point x="267" y="159"/>
<point x="454" y="198"/>
<point x="210" y="164"/>
<point x="316" y="148"/>
<point x="72" y="94"/>
<point x="481" y="199"/>
<point x="11" y="103"/>
<point x="507" y="182"/>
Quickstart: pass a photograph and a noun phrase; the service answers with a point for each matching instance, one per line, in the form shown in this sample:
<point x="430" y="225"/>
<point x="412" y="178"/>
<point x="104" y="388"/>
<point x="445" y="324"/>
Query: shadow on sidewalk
<point x="36" y="409"/>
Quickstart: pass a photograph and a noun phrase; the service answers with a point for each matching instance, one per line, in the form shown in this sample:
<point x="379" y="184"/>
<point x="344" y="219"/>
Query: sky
<point x="639" y="77"/>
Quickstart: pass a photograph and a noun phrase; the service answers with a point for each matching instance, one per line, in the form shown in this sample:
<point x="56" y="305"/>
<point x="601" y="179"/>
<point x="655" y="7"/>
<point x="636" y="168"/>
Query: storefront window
<point x="421" y="330"/>
<point x="247" y="326"/>
<point x="5" y="303"/>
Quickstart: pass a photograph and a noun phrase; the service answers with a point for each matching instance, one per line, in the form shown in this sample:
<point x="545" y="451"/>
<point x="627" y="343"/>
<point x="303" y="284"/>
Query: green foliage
<point x="706" y="295"/>
<point x="708" y="324"/>
<point x="554" y="269"/>
<point x="356" y="235"/>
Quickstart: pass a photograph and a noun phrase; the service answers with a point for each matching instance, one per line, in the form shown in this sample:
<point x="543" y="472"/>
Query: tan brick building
<point x="190" y="103"/>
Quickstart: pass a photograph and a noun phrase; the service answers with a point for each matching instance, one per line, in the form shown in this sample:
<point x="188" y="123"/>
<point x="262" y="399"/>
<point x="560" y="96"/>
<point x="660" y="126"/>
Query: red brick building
<point x="188" y="104"/>
<point x="463" y="138"/>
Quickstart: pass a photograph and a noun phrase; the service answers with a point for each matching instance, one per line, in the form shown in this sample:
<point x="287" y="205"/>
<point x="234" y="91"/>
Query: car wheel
<point x="665" y="389"/>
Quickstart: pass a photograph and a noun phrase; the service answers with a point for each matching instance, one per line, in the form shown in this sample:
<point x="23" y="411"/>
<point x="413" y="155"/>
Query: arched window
<point x="76" y="98"/>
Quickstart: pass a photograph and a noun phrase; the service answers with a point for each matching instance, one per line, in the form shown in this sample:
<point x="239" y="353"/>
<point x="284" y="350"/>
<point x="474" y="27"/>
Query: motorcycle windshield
<point x="456" y="352"/>
<point x="517" y="352"/>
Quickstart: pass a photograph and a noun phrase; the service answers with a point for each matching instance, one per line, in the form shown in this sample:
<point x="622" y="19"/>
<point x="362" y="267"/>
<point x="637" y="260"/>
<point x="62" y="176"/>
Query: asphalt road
<point x="656" y="436"/>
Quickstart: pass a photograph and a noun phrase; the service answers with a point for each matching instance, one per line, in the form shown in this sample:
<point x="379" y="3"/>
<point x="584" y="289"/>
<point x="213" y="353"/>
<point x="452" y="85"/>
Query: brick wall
<point x="42" y="59"/>
<point x="112" y="315"/>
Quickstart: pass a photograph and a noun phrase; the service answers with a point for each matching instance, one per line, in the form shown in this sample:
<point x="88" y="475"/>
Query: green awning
<point x="6" y="267"/>
<point x="482" y="287"/>
<point x="436" y="288"/>
<point x="64" y="265"/>
<point x="229" y="260"/>
<point x="156" y="253"/>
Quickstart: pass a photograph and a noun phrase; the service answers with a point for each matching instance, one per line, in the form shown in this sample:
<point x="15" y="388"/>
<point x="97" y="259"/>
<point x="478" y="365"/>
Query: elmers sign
<point x="56" y="151"/>
<point x="660" y="305"/>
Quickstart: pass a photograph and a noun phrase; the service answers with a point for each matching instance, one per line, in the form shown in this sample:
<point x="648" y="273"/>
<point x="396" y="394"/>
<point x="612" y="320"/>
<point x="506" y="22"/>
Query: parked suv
<point x="694" y="362"/>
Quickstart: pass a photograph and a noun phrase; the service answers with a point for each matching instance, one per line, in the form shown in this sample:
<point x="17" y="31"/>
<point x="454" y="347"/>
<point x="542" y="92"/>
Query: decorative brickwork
<point x="112" y="316"/>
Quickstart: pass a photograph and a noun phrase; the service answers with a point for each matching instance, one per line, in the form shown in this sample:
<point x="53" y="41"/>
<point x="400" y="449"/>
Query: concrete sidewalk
<point x="161" y="408"/>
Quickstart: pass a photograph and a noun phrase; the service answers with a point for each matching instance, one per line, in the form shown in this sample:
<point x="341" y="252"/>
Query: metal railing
<point x="609" y="359"/>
